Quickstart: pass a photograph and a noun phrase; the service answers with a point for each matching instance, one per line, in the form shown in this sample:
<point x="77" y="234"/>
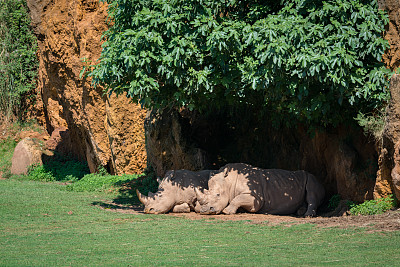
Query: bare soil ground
<point x="389" y="221"/>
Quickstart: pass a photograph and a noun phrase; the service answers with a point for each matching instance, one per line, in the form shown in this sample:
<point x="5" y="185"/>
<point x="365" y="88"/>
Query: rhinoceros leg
<point x="182" y="208"/>
<point x="311" y="209"/>
<point x="315" y="193"/>
<point x="313" y="201"/>
<point x="246" y="201"/>
<point x="302" y="210"/>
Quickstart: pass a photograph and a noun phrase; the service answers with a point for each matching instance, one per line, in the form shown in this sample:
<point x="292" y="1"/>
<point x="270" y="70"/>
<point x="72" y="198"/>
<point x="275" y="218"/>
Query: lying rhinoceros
<point x="176" y="192"/>
<point x="261" y="190"/>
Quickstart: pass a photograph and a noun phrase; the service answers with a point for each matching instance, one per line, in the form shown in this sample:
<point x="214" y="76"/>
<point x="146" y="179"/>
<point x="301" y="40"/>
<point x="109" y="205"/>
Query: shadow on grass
<point x="115" y="206"/>
<point x="127" y="198"/>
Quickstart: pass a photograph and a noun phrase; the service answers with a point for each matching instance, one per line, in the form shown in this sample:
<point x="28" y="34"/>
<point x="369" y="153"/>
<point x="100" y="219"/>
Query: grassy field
<point x="42" y="224"/>
<point x="6" y="153"/>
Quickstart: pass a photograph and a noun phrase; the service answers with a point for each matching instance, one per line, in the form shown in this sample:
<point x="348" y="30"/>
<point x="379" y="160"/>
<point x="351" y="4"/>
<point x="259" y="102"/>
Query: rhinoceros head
<point x="162" y="201"/>
<point x="214" y="200"/>
<point x="156" y="203"/>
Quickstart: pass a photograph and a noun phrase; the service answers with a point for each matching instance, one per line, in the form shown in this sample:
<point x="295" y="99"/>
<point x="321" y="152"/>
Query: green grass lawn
<point x="42" y="224"/>
<point x="6" y="152"/>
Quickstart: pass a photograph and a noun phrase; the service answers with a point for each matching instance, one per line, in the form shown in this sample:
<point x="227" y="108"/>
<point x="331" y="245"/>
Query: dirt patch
<point x="389" y="221"/>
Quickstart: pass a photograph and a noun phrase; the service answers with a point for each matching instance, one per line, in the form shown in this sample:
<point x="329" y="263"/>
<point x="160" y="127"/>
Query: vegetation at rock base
<point x="101" y="181"/>
<point x="316" y="62"/>
<point x="334" y="202"/>
<point x="58" y="168"/>
<point x="375" y="206"/>
<point x="18" y="62"/>
<point x="77" y="175"/>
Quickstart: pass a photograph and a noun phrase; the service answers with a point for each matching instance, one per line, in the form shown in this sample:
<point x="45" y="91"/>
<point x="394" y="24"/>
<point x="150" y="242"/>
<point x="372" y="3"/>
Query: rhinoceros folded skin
<point x="270" y="191"/>
<point x="176" y="192"/>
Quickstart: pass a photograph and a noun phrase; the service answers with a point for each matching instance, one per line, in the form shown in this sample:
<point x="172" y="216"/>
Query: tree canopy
<point x="304" y="60"/>
<point x="18" y="62"/>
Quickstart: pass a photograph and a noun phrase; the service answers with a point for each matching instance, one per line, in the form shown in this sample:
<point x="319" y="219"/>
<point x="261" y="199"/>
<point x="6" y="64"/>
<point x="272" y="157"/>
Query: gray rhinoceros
<point x="175" y="192"/>
<point x="270" y="191"/>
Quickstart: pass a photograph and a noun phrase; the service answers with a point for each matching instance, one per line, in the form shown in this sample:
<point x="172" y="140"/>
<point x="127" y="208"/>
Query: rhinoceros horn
<point x="199" y="195"/>
<point x="141" y="197"/>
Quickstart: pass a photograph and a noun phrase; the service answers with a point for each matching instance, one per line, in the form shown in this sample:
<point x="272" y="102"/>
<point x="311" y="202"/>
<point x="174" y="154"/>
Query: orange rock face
<point x="106" y="130"/>
<point x="392" y="34"/>
<point x="388" y="176"/>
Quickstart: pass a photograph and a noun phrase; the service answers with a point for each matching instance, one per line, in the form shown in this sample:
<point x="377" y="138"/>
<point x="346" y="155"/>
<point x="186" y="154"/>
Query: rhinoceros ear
<point x="226" y="172"/>
<point x="159" y="180"/>
<point x="170" y="174"/>
<point x="142" y="198"/>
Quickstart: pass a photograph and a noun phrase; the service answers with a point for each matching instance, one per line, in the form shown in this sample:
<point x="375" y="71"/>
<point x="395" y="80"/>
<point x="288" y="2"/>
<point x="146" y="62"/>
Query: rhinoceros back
<point x="195" y="179"/>
<point x="283" y="191"/>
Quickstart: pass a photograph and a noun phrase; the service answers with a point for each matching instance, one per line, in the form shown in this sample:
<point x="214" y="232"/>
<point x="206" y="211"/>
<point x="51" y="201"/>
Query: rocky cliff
<point x="105" y="130"/>
<point x="388" y="176"/>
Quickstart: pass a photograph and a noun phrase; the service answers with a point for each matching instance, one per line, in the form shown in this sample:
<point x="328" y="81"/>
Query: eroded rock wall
<point x="105" y="130"/>
<point x="388" y="176"/>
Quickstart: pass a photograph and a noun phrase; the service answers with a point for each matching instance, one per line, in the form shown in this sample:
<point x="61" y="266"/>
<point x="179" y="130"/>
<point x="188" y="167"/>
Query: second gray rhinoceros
<point x="270" y="191"/>
<point x="175" y="192"/>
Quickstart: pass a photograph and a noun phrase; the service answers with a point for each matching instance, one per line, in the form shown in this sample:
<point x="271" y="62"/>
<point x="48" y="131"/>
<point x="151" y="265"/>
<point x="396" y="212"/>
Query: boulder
<point x="29" y="151"/>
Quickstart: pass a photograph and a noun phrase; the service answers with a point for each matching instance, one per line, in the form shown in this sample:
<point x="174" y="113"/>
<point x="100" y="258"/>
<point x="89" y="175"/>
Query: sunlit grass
<point x="7" y="147"/>
<point x="43" y="224"/>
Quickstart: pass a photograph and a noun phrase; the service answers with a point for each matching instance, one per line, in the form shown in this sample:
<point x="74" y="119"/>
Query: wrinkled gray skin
<point x="269" y="191"/>
<point x="176" y="192"/>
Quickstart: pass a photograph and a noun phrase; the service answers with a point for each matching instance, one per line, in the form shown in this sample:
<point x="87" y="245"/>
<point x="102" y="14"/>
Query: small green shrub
<point x="334" y="202"/>
<point x="39" y="173"/>
<point x="62" y="167"/>
<point x="58" y="168"/>
<point x="100" y="182"/>
<point x="372" y="124"/>
<point x="370" y="207"/>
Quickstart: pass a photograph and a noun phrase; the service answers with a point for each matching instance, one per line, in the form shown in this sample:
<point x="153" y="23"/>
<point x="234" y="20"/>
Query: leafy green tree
<point x="309" y="61"/>
<point x="18" y="62"/>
